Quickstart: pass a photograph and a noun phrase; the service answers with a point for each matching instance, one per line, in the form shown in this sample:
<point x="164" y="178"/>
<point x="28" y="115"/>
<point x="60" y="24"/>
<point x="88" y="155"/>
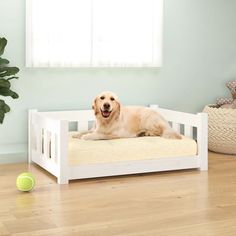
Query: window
<point x="94" y="33"/>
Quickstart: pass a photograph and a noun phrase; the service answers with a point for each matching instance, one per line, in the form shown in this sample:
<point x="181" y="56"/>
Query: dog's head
<point x="106" y="106"/>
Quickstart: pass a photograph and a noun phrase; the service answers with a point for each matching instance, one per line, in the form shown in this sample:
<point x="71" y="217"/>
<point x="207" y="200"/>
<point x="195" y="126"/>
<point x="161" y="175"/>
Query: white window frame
<point x="157" y="42"/>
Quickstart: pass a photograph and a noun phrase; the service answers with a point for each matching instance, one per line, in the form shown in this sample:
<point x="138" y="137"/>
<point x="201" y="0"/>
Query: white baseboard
<point x="13" y="153"/>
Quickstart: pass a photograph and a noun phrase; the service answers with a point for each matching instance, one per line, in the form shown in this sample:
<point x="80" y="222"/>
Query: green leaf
<point x="2" y="115"/>
<point x="4" y="83"/>
<point x="2" y="104"/>
<point x="4" y="107"/>
<point x="7" y="71"/>
<point x="7" y="92"/>
<point x="3" y="61"/>
<point x="3" y="43"/>
<point x="14" y="95"/>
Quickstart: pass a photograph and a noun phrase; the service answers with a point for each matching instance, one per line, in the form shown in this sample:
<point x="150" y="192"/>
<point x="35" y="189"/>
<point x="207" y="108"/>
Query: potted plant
<point x="7" y="73"/>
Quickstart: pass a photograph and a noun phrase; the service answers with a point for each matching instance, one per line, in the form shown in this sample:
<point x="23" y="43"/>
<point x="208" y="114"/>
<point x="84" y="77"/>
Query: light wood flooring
<point x="171" y="203"/>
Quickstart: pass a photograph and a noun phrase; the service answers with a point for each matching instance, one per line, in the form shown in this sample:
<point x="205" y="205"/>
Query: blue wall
<point x="199" y="57"/>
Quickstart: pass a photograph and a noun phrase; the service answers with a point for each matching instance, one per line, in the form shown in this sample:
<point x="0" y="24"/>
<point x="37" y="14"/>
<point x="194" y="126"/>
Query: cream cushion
<point x="82" y="152"/>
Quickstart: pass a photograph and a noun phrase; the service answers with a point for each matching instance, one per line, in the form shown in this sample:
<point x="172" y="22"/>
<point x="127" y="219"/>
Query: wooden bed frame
<point x="48" y="145"/>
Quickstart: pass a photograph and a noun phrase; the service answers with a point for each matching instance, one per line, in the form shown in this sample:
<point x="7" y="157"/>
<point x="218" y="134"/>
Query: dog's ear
<point x="94" y="103"/>
<point x="94" y="106"/>
<point x="118" y="103"/>
<point x="118" y="109"/>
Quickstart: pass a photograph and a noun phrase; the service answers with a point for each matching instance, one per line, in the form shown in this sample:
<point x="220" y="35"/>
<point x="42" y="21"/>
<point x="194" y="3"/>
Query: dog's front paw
<point x="86" y="137"/>
<point x="78" y="135"/>
<point x="172" y="135"/>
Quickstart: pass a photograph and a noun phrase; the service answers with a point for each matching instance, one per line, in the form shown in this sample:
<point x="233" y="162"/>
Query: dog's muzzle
<point x="106" y="110"/>
<point x="106" y="114"/>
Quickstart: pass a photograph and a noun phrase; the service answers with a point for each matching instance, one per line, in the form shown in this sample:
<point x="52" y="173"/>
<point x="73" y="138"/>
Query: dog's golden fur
<point x="116" y="121"/>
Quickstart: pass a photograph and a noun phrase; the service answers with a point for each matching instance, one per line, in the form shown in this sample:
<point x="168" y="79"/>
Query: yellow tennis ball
<point x="25" y="182"/>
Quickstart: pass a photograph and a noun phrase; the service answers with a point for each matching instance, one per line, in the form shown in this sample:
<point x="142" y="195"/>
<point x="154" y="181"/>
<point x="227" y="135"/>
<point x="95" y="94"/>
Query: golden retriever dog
<point x="116" y="121"/>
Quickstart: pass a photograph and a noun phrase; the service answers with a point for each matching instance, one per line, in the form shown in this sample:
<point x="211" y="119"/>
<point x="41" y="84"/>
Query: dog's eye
<point x="112" y="99"/>
<point x="102" y="97"/>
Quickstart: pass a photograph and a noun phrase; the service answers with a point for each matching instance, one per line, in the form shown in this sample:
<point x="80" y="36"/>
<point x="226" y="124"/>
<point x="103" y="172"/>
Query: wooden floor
<point x="170" y="203"/>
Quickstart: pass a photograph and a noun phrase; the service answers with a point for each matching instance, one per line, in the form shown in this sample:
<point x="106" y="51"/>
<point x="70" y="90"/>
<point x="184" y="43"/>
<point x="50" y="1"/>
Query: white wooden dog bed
<point x="52" y="147"/>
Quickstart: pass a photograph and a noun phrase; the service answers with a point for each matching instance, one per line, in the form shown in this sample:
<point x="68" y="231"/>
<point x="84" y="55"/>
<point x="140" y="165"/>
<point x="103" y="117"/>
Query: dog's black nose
<point x="106" y="105"/>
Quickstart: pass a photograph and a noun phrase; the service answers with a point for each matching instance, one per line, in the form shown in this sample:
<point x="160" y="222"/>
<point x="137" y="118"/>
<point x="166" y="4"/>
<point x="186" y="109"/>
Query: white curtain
<point x="94" y="33"/>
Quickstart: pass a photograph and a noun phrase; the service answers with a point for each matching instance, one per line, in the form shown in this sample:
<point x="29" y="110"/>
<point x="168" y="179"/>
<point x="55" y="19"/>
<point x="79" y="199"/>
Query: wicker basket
<point x="222" y="129"/>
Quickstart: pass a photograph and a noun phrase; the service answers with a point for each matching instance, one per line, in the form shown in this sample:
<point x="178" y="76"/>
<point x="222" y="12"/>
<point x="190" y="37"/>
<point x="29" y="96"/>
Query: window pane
<point x="123" y="32"/>
<point x="61" y="32"/>
<point x="73" y="33"/>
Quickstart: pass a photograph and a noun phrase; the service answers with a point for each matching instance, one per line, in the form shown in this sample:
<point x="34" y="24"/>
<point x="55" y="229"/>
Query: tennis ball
<point x="25" y="182"/>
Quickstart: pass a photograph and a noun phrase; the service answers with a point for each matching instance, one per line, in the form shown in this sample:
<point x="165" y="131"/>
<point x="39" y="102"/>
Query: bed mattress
<point x="82" y="152"/>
